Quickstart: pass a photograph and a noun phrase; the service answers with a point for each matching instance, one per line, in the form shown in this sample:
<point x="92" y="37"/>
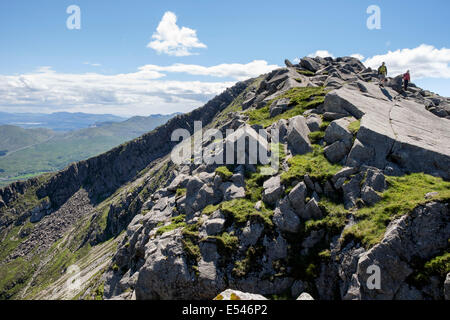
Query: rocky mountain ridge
<point x="363" y="181"/>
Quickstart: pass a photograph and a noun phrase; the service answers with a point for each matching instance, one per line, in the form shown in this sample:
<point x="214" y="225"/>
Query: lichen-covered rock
<point x="305" y="296"/>
<point x="231" y="294"/>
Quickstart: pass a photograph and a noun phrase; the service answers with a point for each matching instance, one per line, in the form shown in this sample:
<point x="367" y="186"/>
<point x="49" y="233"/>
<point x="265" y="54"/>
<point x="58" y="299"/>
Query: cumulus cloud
<point x="357" y="56"/>
<point x="226" y="70"/>
<point x="170" y="39"/>
<point x="321" y="53"/>
<point x="424" y="61"/>
<point x="92" y="64"/>
<point x="142" y="92"/>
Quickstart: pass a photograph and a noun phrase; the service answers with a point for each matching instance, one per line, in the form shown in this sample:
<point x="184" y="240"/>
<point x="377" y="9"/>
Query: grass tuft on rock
<point x="301" y="100"/>
<point x="224" y="173"/>
<point x="354" y="127"/>
<point x="439" y="265"/>
<point x="243" y="209"/>
<point x="176" y="222"/>
<point x="403" y="195"/>
<point x="306" y="73"/>
<point x="180" y="192"/>
<point x="313" y="164"/>
<point x="333" y="222"/>
<point x="316" y="136"/>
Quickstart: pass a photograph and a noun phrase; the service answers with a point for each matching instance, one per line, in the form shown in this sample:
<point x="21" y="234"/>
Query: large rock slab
<point x="297" y="135"/>
<point x="272" y="190"/>
<point x="393" y="129"/>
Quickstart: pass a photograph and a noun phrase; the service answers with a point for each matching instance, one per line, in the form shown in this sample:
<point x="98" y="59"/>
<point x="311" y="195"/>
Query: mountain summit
<point x="356" y="209"/>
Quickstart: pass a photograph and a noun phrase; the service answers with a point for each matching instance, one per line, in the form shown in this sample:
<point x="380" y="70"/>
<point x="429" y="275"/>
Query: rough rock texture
<point x="421" y="234"/>
<point x="395" y="129"/>
<point x="297" y="135"/>
<point x="189" y="231"/>
<point x="231" y="294"/>
<point x="305" y="296"/>
<point x="272" y="190"/>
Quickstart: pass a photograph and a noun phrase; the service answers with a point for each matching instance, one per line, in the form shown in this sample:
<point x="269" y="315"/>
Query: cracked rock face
<point x="420" y="234"/>
<point x="393" y="128"/>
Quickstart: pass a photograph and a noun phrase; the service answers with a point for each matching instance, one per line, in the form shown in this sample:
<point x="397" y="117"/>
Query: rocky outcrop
<point x="105" y="173"/>
<point x="419" y="235"/>
<point x="190" y="231"/>
<point x="393" y="130"/>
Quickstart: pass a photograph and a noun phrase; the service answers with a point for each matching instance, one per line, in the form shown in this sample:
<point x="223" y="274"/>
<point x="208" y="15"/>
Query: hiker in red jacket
<point x="406" y="80"/>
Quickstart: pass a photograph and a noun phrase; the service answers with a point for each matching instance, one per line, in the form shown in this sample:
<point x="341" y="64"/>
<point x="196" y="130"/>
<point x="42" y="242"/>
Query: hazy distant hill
<point x="28" y="152"/>
<point x="13" y="138"/>
<point x="58" y="121"/>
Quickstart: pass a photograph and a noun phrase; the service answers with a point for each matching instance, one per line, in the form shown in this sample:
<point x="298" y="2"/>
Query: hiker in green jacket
<point x="382" y="73"/>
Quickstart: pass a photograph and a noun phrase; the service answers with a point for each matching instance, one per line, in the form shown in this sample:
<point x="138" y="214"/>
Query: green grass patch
<point x="354" y="127"/>
<point x="314" y="164"/>
<point x="316" y="136"/>
<point x="99" y="291"/>
<point x="254" y="181"/>
<point x="224" y="173"/>
<point x="278" y="147"/>
<point x="439" y="265"/>
<point x="403" y="195"/>
<point x="334" y="220"/>
<point x="176" y="222"/>
<point x="301" y="100"/>
<point x="242" y="267"/>
<point x="324" y="125"/>
<point x="306" y="73"/>
<point x="243" y="209"/>
<point x="181" y="192"/>
<point x="210" y="209"/>
<point x="227" y="241"/>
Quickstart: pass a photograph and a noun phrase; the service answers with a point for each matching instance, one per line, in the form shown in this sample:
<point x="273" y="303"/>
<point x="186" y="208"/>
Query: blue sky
<point x="109" y="66"/>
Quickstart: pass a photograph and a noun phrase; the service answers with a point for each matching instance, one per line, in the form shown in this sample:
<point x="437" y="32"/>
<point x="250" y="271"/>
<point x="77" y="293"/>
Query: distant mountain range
<point x="26" y="153"/>
<point x="58" y="121"/>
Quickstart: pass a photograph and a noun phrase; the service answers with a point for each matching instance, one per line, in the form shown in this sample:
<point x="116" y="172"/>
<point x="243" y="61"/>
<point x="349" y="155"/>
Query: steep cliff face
<point x="362" y="181"/>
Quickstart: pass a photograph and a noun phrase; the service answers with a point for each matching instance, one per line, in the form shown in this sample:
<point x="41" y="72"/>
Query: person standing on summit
<point x="382" y="73"/>
<point x="406" y="80"/>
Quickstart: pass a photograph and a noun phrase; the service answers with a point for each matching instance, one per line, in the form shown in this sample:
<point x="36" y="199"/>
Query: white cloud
<point x="321" y="53"/>
<point x="170" y="39"/>
<point x="138" y="93"/>
<point x="226" y="70"/>
<point x="358" y="56"/>
<point x="424" y="61"/>
<point x="92" y="64"/>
